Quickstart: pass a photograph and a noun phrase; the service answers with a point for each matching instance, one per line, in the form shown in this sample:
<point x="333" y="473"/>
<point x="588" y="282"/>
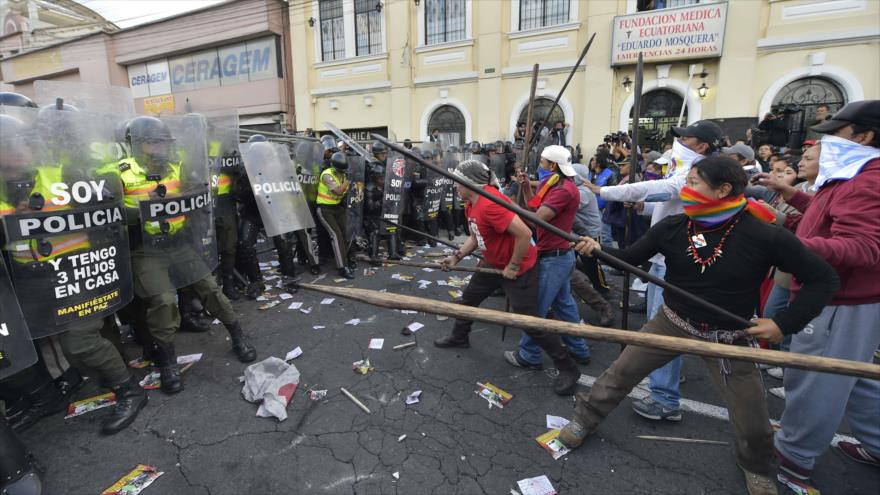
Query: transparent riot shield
<point x="63" y="220"/>
<point x="17" y="351"/>
<point x="393" y="200"/>
<point x="434" y="181"/>
<point x="497" y="161"/>
<point x="355" y="200"/>
<point x="167" y="181"/>
<point x="451" y="158"/>
<point x="273" y="178"/>
<point x="308" y="159"/>
<point x="224" y="159"/>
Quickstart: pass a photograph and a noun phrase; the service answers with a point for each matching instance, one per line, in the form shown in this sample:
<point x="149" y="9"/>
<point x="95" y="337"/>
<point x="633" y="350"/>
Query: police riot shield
<point x="497" y="161"/>
<point x="434" y="181"/>
<point x="169" y="186"/>
<point x="224" y="159"/>
<point x="308" y="160"/>
<point x="393" y="200"/>
<point x="274" y="182"/>
<point x="355" y="200"/>
<point x="17" y="351"/>
<point x="451" y="158"/>
<point x="63" y="220"/>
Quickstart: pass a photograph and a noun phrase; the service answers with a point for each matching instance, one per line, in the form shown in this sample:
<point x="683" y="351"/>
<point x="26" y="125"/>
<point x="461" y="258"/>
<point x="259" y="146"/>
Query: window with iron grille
<point x="367" y="27"/>
<point x="534" y="14"/>
<point x="445" y="21"/>
<point x="332" y="30"/>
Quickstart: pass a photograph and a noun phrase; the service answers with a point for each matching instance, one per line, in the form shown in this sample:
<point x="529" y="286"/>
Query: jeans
<point x="776" y="302"/>
<point x="664" y="380"/>
<point x="607" y="239"/>
<point x="554" y="290"/>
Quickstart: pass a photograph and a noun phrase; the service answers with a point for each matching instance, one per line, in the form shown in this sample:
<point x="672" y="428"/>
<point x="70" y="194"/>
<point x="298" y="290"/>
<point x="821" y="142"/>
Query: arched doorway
<point x="451" y="123"/>
<point x="660" y="109"/>
<point x="798" y="101"/>
<point x="539" y="112"/>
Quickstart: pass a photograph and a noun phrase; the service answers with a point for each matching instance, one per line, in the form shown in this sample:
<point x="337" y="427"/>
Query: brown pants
<point x="743" y="394"/>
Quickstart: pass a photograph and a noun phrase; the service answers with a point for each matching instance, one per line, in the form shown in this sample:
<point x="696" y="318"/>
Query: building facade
<point x="464" y="66"/>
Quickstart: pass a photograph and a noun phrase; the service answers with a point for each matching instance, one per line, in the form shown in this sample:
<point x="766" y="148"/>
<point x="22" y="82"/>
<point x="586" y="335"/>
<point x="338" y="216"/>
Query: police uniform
<point x="226" y="214"/>
<point x="332" y="214"/>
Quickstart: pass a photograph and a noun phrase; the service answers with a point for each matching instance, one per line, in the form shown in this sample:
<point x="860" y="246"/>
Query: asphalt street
<point x="208" y="439"/>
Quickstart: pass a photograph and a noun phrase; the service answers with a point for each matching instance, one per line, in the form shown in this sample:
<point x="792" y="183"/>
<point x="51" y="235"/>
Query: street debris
<point x="271" y="382"/>
<point x="377" y="343"/>
<point x="556" y="422"/>
<point x="285" y="296"/>
<point x="355" y="400"/>
<point x="318" y="327"/>
<point x="413" y="398"/>
<point x="551" y="443"/>
<point x="269" y="305"/>
<point x="328" y="300"/>
<point x="455" y="294"/>
<point x="493" y="394"/>
<point x="405" y="278"/>
<point x="539" y="485"/>
<point x="91" y="404"/>
<point x="353" y="321"/>
<point x="396" y="475"/>
<point x="401" y="438"/>
<point x="404" y="346"/>
<point x="134" y="482"/>
<point x="317" y="394"/>
<point x="153" y="382"/>
<point x="305" y="311"/>
<point x="293" y="354"/>
<point x="415" y="326"/>
<point x="295" y="305"/>
<point x="682" y="440"/>
<point x="362" y="367"/>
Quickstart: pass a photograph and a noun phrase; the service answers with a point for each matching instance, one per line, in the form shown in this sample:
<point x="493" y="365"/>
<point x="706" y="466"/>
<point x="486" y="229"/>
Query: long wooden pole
<point x="634" y="175"/>
<point x="535" y="220"/>
<point x="436" y="266"/>
<point x="435" y="239"/>
<point x="675" y="344"/>
<point x="528" y="136"/>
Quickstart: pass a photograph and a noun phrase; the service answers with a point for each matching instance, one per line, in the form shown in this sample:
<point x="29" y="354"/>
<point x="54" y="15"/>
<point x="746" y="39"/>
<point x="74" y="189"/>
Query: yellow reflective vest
<point x="137" y="187"/>
<point x="325" y="195"/>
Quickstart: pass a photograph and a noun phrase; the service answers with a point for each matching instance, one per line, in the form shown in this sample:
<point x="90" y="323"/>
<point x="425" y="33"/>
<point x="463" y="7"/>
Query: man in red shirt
<point x="505" y="242"/>
<point x="840" y="224"/>
<point x="556" y="201"/>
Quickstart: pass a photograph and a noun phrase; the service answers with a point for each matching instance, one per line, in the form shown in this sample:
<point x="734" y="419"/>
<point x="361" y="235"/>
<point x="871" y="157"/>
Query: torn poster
<point x="91" y="404"/>
<point x="551" y="443"/>
<point x="135" y="481"/>
<point x="493" y="394"/>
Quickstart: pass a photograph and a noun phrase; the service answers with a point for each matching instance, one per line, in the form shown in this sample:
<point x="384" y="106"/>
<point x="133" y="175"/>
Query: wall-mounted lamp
<point x="627" y="84"/>
<point x="311" y="22"/>
<point x="379" y="7"/>
<point x="417" y="2"/>
<point x="703" y="90"/>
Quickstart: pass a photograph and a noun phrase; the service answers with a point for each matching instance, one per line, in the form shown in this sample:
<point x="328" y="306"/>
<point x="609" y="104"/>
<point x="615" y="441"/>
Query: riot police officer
<point x="168" y="252"/>
<point x="333" y="186"/>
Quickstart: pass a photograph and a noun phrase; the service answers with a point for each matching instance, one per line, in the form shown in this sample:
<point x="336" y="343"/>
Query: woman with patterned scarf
<point x="721" y="249"/>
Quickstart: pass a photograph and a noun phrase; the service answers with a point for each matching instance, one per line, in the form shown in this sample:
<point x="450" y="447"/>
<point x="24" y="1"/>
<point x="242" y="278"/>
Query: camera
<point x="787" y="109"/>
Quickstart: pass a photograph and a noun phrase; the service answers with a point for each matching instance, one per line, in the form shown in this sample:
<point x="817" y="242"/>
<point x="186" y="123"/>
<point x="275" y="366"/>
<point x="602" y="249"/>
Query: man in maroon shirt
<point x="505" y="242"/>
<point x="557" y="201"/>
<point x="841" y="224"/>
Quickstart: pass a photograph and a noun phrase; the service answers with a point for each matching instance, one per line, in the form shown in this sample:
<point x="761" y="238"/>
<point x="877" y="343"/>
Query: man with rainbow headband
<point x="698" y="140"/>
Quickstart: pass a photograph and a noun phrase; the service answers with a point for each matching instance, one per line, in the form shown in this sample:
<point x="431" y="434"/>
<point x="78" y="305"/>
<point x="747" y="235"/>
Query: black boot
<point x="346" y="273"/>
<point x="192" y="322"/>
<point x="229" y="289"/>
<point x="169" y="373"/>
<point x="393" y="252"/>
<point x="254" y="290"/>
<point x="130" y="399"/>
<point x="242" y="348"/>
<point x="44" y="401"/>
<point x="315" y="269"/>
<point x="567" y="380"/>
<point x="286" y="261"/>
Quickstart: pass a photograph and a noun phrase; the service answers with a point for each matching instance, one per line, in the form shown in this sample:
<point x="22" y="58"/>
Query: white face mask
<point x="682" y="158"/>
<point x="842" y="159"/>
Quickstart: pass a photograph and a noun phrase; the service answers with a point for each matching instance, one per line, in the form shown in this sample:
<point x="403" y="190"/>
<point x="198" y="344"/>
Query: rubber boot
<point x="229" y="289"/>
<point x="240" y="345"/>
<point x="169" y="373"/>
<point x="193" y="322"/>
<point x="393" y="248"/>
<point x="130" y="399"/>
<point x="374" y="245"/>
<point x="286" y="261"/>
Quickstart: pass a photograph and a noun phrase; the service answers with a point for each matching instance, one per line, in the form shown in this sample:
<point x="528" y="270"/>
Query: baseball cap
<point x="865" y="112"/>
<point x="582" y="171"/>
<point x="740" y="149"/>
<point x="653" y="156"/>
<point x="705" y="130"/>
<point x="560" y="156"/>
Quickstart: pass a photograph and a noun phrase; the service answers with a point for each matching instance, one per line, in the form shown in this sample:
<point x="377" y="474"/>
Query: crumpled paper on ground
<point x="272" y="382"/>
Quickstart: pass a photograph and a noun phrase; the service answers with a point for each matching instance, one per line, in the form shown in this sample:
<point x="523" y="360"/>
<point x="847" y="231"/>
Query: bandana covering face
<point x="651" y="176"/>
<point x="712" y="212"/>
<point x="543" y="173"/>
<point x="842" y="159"/>
<point x="682" y="158"/>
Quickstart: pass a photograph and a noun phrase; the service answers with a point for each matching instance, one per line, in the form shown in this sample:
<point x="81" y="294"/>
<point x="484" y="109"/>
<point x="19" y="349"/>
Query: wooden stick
<point x="535" y="220"/>
<point x="528" y="137"/>
<point x="682" y="440"/>
<point x="435" y="239"/>
<point x="404" y="346"/>
<point x="436" y="266"/>
<point x="355" y="400"/>
<point x="674" y="344"/>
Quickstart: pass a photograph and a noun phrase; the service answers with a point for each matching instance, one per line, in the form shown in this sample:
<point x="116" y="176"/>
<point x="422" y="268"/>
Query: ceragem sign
<point x="695" y="31"/>
<point x="231" y="64"/>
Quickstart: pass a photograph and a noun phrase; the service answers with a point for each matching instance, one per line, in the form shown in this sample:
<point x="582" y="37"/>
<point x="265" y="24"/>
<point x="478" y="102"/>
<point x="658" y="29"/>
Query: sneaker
<point x="857" y="452"/>
<point x="775" y="373"/>
<point x="758" y="484"/>
<point x="778" y="392"/>
<point x="573" y="435"/>
<point x="790" y="468"/>
<point x="650" y="409"/>
<point x="512" y="358"/>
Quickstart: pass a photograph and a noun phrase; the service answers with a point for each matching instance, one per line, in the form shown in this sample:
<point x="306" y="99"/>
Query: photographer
<point x="775" y="126"/>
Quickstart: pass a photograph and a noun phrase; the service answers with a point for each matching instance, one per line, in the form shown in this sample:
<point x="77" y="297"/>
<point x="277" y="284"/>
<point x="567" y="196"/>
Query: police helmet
<point x="328" y="143"/>
<point x="427" y="155"/>
<point x="149" y="130"/>
<point x="508" y="147"/>
<point x="11" y="99"/>
<point x="257" y="138"/>
<point x="13" y="149"/>
<point x="376" y="170"/>
<point x="379" y="147"/>
<point x="339" y="161"/>
<point x="474" y="147"/>
<point x="489" y="147"/>
<point x="453" y="149"/>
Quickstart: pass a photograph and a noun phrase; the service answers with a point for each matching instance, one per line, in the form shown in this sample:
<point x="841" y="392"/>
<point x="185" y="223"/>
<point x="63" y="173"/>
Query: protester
<point x="745" y="156"/>
<point x="588" y="222"/>
<point x="505" y="242"/>
<point x="718" y="220"/>
<point x="840" y="224"/>
<point x="765" y="151"/>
